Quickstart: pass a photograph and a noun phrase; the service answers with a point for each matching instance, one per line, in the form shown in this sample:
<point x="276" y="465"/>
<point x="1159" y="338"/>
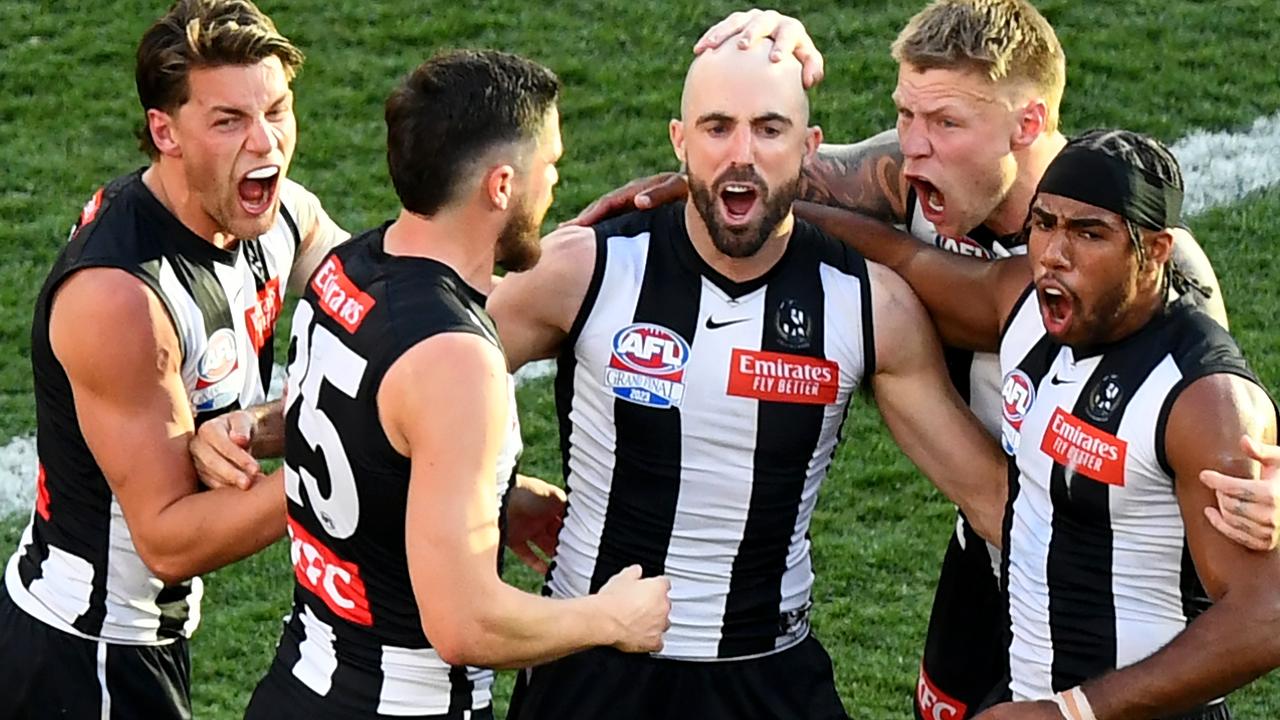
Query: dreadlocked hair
<point x="1153" y="159"/>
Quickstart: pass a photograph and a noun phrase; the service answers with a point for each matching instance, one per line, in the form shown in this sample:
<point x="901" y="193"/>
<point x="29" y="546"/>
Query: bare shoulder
<point x="892" y="299"/>
<point x="93" y="311"/>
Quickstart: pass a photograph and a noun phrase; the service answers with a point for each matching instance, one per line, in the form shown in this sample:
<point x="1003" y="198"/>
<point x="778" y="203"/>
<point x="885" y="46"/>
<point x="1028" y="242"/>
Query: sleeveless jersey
<point x="1098" y="571"/>
<point x="698" y="417"/>
<point x="355" y="635"/>
<point x="76" y="567"/>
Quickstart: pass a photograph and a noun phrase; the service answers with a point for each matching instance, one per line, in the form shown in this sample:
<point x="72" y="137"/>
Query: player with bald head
<point x="707" y="354"/>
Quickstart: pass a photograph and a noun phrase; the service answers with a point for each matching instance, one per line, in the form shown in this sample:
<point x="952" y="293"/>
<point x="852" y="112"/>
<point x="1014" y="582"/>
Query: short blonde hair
<point x="1004" y="40"/>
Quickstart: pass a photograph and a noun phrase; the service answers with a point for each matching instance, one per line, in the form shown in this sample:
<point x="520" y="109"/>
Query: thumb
<point x="240" y="428"/>
<point x="631" y="572"/>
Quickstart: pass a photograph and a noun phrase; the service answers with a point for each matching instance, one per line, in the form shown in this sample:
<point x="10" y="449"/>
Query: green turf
<point x="68" y="113"/>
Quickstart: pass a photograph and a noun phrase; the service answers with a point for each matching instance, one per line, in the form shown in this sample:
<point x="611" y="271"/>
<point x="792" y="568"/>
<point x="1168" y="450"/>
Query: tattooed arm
<point x="865" y="176"/>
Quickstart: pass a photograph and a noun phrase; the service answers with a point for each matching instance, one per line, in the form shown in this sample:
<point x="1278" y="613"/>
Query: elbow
<point x="458" y="640"/>
<point x="170" y="568"/>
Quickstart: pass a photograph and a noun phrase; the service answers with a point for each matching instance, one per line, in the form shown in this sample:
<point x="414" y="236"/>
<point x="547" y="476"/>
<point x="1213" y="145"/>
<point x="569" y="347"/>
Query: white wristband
<point x="1074" y="705"/>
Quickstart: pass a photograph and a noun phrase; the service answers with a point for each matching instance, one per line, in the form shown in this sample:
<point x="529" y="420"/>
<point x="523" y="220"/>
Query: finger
<point x="1240" y="538"/>
<point x="215" y="472"/>
<point x="240" y="426"/>
<point x="812" y="65"/>
<point x="1262" y="452"/>
<point x="758" y="28"/>
<point x="1257" y="533"/>
<point x="721" y="31"/>
<point x="215" y="437"/>
<point x="1238" y="487"/>
<point x="673" y="189"/>
<point x="1256" y="513"/>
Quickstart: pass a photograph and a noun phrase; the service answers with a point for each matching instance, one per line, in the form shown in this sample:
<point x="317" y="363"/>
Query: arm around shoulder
<point x="535" y="309"/>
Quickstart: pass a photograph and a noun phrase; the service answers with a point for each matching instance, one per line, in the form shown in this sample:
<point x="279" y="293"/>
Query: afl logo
<point x="1019" y="394"/>
<point x="647" y="366"/>
<point x="219" y="359"/>
<point x="650" y="350"/>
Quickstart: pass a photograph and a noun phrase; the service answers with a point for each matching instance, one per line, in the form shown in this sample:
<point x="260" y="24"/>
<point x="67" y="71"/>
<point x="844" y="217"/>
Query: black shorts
<point x="795" y="684"/>
<point x="48" y="673"/>
<point x="280" y="695"/>
<point x="966" y="649"/>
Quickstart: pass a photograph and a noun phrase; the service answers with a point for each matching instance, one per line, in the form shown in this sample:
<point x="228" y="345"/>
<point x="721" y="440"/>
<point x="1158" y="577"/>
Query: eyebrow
<point x="1072" y="223"/>
<point x="233" y="110"/>
<point x="726" y="117"/>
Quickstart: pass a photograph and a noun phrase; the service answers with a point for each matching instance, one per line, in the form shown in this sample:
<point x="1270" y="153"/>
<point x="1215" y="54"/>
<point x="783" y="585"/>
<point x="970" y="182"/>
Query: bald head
<point x="737" y="82"/>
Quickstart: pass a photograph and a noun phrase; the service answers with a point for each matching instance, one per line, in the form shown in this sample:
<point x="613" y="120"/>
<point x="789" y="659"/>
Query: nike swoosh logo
<point x="713" y="325"/>
<point x="1055" y="380"/>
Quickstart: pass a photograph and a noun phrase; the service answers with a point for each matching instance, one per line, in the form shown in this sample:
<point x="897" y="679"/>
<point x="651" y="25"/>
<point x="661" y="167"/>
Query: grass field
<point x="68" y="112"/>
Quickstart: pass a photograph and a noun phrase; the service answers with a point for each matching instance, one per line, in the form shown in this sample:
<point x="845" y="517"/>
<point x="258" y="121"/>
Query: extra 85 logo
<point x="647" y="365"/>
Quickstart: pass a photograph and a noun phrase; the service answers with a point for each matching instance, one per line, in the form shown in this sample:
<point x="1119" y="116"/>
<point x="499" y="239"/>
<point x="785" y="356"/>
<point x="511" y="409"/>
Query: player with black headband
<point x="1118" y="392"/>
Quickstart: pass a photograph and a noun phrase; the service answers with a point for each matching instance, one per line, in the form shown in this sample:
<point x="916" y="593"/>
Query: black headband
<point x="1094" y="177"/>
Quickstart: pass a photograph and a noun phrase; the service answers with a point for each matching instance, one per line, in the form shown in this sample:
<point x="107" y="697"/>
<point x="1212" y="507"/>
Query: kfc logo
<point x="935" y="704"/>
<point x="328" y="577"/>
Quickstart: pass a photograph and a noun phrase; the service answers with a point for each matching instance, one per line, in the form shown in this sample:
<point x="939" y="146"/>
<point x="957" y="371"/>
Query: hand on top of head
<point x="787" y="34"/>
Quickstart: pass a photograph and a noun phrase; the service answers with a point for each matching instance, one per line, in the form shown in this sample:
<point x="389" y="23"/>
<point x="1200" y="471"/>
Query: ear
<point x="499" y="186"/>
<point x="1160" y="244"/>
<point x="164" y="133"/>
<point x="812" y="139"/>
<point x="676" y="130"/>
<point x="1033" y="119"/>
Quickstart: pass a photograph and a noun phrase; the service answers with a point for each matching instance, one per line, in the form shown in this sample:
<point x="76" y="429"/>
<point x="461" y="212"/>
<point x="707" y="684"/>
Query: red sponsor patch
<point x="964" y="246"/>
<point x="260" y="318"/>
<point x="330" y="578"/>
<point x="340" y="299"/>
<point x="934" y="704"/>
<point x="91" y="208"/>
<point x="42" y="493"/>
<point x="782" y="377"/>
<point x="1079" y="446"/>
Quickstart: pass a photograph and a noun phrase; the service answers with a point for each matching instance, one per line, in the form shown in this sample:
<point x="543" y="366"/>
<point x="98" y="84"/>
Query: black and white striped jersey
<point x="1098" y="571"/>
<point x="76" y="567"/>
<point x="698" y="417"/>
<point x="355" y="634"/>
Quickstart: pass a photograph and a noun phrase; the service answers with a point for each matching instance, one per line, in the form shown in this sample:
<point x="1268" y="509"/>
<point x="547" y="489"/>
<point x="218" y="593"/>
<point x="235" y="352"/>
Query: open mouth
<point x="932" y="202"/>
<point x="1057" y="306"/>
<point x="738" y="200"/>
<point x="257" y="189"/>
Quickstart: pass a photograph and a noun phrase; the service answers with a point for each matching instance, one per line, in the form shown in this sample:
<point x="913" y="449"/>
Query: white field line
<point x="1219" y="167"/>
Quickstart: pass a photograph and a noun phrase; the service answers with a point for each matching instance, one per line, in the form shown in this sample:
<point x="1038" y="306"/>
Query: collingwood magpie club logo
<point x="793" y="325"/>
<point x="1104" y="398"/>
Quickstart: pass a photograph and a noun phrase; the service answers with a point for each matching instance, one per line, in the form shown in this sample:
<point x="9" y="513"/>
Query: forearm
<point x="1231" y="644"/>
<point x="865" y="177"/>
<point x="204" y="531"/>
<point x="504" y="627"/>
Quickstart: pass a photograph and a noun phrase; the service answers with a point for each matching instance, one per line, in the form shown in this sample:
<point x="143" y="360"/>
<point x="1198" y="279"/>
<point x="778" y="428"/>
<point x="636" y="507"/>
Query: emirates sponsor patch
<point x="1084" y="449"/>
<point x="782" y="377"/>
<point x="340" y="299"/>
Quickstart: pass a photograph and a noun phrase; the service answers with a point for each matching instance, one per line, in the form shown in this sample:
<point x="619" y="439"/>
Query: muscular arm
<point x="865" y="176"/>
<point x="534" y="310"/>
<point x="1238" y="639"/>
<point x="916" y="398"/>
<point x="451" y="522"/>
<point x="968" y="298"/>
<point x="135" y="416"/>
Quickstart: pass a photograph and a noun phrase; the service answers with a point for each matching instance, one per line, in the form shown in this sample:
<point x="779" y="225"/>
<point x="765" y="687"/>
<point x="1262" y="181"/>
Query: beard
<point x="520" y="242"/>
<point x="747" y="240"/>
